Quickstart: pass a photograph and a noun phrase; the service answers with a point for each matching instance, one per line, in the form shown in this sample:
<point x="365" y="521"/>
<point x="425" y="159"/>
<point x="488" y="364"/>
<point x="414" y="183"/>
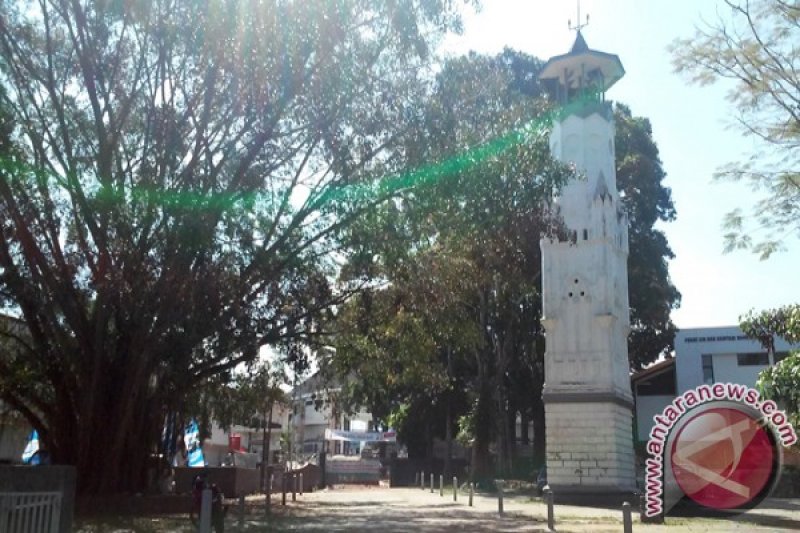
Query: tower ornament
<point x="578" y="26"/>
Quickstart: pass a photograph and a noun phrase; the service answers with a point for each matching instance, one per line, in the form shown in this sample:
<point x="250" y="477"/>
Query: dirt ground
<point x="384" y="510"/>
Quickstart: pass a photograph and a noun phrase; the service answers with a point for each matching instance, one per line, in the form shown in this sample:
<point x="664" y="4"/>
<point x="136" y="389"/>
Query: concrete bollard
<point x="471" y="492"/>
<point x="294" y="487"/>
<point x="268" y="502"/>
<point x="551" y="518"/>
<point x="241" y="513"/>
<point x="205" y="511"/>
<point x="301" y="483"/>
<point x="455" y="489"/>
<point x="431" y="482"/>
<point x="627" y="522"/>
<point x="500" y="483"/>
<point x="441" y="484"/>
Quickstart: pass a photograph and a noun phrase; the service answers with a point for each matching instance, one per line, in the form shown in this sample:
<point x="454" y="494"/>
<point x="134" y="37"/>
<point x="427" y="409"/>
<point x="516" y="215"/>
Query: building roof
<point x="579" y="45"/>
<point x="583" y="61"/>
<point x="653" y="370"/>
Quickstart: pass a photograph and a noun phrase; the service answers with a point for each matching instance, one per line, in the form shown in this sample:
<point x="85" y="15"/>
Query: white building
<point x="242" y="445"/>
<point x="314" y="409"/>
<point x="14" y="432"/>
<point x="702" y="355"/>
<point x="725" y="354"/>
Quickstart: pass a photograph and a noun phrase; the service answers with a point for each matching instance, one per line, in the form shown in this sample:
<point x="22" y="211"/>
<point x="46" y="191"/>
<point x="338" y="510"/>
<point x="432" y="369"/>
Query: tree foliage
<point x="175" y="189"/>
<point x="754" y="44"/>
<point x="467" y="275"/>
<point x="647" y="201"/>
<point x="780" y="382"/>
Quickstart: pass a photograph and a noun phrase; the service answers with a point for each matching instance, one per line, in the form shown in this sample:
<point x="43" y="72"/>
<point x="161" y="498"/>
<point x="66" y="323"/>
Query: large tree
<point x="780" y="382"/>
<point x="467" y="276"/>
<point x="647" y="201"/>
<point x="753" y="44"/>
<point x="180" y="177"/>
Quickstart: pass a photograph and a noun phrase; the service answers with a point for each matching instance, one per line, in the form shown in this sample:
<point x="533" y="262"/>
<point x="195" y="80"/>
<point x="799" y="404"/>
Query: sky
<point x="691" y="126"/>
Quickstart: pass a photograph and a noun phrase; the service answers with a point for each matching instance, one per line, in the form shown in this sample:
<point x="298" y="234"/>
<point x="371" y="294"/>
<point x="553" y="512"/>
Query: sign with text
<point x="716" y="448"/>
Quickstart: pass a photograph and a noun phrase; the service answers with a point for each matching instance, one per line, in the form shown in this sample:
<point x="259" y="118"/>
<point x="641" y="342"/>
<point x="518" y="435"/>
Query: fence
<point x="30" y="512"/>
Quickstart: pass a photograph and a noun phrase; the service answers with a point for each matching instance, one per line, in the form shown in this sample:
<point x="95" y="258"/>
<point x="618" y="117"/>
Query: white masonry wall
<point x="586" y="317"/>
<point x="589" y="445"/>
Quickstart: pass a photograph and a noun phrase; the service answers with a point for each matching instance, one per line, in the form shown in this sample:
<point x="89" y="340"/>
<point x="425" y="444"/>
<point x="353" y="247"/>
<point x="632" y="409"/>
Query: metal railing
<point x="30" y="512"/>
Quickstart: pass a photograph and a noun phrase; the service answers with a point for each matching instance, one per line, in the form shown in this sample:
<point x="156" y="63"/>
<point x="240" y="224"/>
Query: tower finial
<point x="578" y="26"/>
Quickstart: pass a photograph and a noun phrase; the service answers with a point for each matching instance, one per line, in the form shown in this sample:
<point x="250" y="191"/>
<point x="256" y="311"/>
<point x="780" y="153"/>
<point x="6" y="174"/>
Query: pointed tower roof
<point x="579" y="45"/>
<point x="580" y="62"/>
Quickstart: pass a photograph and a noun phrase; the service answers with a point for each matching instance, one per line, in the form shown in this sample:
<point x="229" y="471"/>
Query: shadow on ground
<point x="392" y="518"/>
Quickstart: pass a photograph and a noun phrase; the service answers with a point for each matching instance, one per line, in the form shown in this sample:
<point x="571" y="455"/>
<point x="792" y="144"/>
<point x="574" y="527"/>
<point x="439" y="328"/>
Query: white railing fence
<point x="30" y="512"/>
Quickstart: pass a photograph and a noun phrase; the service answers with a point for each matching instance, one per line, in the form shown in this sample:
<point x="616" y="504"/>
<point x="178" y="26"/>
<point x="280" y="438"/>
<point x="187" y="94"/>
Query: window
<point x="752" y="359"/>
<point x="708" y="369"/>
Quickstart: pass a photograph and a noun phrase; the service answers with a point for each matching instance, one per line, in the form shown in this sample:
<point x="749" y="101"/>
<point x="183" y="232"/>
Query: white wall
<point x="723" y="344"/>
<point x="316" y="415"/>
<point x="646" y="408"/>
<point x="13" y="438"/>
<point x="727" y="369"/>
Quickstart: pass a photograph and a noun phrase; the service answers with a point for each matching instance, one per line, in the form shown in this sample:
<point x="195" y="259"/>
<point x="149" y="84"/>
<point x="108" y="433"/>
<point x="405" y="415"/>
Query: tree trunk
<point x="104" y="468"/>
<point x="448" y="436"/>
<point x="266" y="436"/>
<point x="511" y="428"/>
<point x="448" y="459"/>
<point x="524" y="422"/>
<point x="481" y="459"/>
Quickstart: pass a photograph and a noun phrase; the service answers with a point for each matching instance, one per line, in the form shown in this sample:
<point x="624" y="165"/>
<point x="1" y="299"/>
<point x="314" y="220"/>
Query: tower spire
<point x="578" y="26"/>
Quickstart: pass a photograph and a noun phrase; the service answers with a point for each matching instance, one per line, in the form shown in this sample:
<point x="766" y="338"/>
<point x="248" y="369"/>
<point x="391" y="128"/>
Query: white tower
<point x="587" y="393"/>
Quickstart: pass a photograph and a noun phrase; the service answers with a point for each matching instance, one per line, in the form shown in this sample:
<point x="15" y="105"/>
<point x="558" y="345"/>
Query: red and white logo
<point x="723" y="458"/>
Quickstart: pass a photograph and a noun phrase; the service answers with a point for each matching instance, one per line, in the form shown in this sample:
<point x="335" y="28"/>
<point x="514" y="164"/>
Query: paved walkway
<point x="384" y="510"/>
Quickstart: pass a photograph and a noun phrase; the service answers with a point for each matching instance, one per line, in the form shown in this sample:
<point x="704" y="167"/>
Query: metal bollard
<point x="431" y="482"/>
<point x="455" y="489"/>
<point x="441" y="484"/>
<point x="551" y="519"/>
<point x="627" y="523"/>
<point x="416" y="478"/>
<point x="205" y="511"/>
<point x="284" y="480"/>
<point x="294" y="487"/>
<point x="500" y="496"/>
<point x="422" y="480"/>
<point x="241" y="513"/>
<point x="301" y="483"/>
<point x="471" y="492"/>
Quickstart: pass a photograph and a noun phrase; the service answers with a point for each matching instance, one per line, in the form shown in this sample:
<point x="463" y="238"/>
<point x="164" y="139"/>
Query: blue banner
<point x="192" y="440"/>
<point x="30" y="456"/>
